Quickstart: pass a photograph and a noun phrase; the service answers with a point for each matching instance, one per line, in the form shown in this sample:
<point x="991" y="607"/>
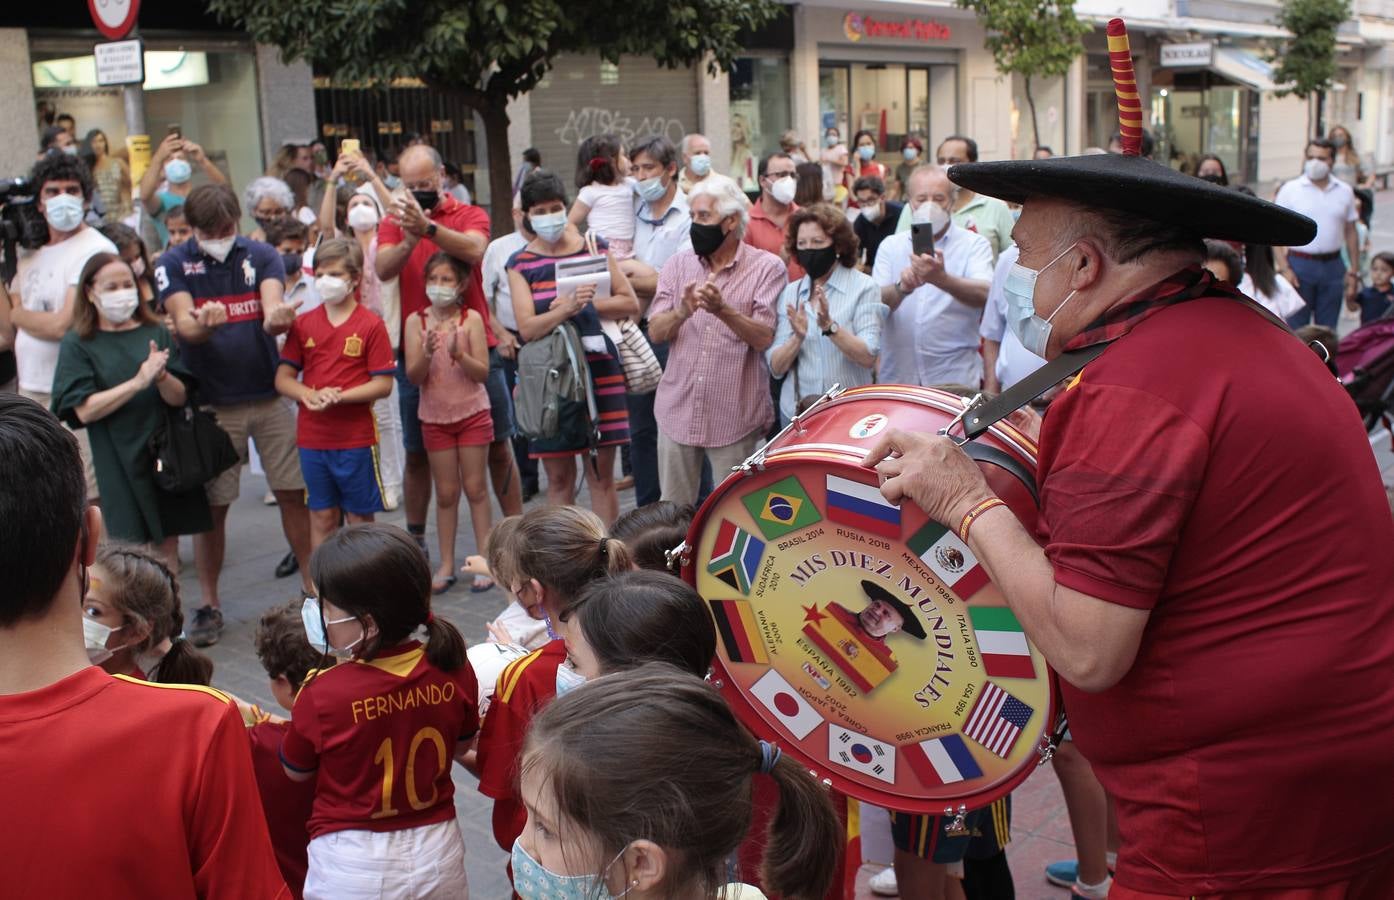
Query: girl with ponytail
<point x="380" y="734"/>
<point x="133" y="621"/>
<point x="616" y="807"/>
<point x="558" y="551"/>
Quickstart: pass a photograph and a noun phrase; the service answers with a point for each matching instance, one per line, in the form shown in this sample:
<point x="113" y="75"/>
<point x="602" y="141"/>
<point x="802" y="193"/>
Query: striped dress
<point x="539" y="270"/>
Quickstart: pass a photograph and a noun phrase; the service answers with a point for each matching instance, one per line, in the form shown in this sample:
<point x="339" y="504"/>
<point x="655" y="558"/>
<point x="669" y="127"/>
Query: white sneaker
<point x="883" y="883"/>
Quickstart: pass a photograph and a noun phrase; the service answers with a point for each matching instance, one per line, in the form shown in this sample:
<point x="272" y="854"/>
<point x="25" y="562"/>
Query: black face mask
<point x="817" y="261"/>
<point x="427" y="199"/>
<point x="1214" y="179"/>
<point x="706" y="239"/>
<point x="292" y="261"/>
<point x="265" y="222"/>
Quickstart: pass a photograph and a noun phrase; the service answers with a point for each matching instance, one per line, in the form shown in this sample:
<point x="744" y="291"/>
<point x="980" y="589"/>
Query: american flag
<point x="996" y="720"/>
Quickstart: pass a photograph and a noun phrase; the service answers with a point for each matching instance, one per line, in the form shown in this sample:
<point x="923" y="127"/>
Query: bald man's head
<point x="420" y="168"/>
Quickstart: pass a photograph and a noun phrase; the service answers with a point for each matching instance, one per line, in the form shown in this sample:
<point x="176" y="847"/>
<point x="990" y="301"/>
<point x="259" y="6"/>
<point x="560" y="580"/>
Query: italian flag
<point x="949" y="558"/>
<point x="1001" y="642"/>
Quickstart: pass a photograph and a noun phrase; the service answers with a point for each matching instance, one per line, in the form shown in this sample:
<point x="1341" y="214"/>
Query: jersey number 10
<point x="386" y="758"/>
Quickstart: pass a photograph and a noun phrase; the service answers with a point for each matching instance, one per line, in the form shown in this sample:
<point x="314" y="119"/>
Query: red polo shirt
<point x="765" y="234"/>
<point x="449" y="213"/>
<point x="1207" y="468"/>
<point x="119" y="788"/>
<point x="342" y="356"/>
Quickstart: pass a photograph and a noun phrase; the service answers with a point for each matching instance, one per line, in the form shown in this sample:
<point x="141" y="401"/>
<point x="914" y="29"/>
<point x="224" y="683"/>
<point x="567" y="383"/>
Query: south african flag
<point x="736" y="556"/>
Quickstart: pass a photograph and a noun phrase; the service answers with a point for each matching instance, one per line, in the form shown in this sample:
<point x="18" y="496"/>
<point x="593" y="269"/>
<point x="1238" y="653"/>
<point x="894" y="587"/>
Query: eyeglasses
<point x="775" y="176"/>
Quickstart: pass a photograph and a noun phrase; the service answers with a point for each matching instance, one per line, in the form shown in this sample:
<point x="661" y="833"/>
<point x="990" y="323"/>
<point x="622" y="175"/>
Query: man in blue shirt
<point x="226" y="295"/>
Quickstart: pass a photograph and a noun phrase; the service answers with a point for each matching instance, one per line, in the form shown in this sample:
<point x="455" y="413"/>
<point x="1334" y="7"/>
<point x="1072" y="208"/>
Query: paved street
<point x="1040" y="828"/>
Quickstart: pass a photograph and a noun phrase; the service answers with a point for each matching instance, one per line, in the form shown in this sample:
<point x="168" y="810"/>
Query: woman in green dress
<point x="117" y="370"/>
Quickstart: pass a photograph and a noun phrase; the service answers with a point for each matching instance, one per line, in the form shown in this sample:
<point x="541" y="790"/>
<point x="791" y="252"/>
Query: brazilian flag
<point x="781" y="508"/>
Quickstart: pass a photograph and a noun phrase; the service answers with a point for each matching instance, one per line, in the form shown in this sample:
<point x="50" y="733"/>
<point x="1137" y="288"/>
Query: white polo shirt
<point x="496" y="288"/>
<point x="1014" y="362"/>
<point x="932" y="338"/>
<point x="1330" y="207"/>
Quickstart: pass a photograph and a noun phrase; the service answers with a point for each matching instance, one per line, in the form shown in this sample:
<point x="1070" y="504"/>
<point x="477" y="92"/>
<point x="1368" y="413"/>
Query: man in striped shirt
<point x="715" y="305"/>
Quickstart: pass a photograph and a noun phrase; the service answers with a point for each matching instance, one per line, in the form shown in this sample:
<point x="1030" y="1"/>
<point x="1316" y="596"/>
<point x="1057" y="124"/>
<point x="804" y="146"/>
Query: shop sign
<point x="119" y="63"/>
<point x="1187" y="55"/>
<point x="114" y="18"/>
<point x="857" y="26"/>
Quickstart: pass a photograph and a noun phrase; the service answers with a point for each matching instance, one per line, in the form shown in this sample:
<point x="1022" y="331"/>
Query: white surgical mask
<point x="313" y="620"/>
<point x="783" y="190"/>
<point x="441" y="295"/>
<point x="94" y="638"/>
<point x="1020" y="292"/>
<point x="1314" y="169"/>
<point x="548" y="226"/>
<point x="651" y="189"/>
<point x="931" y="214"/>
<point x="872" y="213"/>
<point x="178" y="171"/>
<point x="64" y="212"/>
<point x="118" y="306"/>
<point x="138" y="266"/>
<point x="700" y="164"/>
<point x="218" y="248"/>
<point x="363" y="217"/>
<point x="331" y="288"/>
<point x="534" y="881"/>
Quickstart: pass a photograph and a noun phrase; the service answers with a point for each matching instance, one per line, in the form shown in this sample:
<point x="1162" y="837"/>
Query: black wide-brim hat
<point x="912" y="624"/>
<point x="1146" y="189"/>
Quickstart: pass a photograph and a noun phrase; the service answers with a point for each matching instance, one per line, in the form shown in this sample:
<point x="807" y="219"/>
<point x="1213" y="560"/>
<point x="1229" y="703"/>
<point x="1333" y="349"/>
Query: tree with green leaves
<point x="485" y="52"/>
<point x="1306" y="62"/>
<point x="1030" y="38"/>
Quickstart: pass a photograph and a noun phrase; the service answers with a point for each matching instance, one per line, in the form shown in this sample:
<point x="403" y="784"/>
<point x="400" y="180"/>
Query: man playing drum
<point x="1211" y="576"/>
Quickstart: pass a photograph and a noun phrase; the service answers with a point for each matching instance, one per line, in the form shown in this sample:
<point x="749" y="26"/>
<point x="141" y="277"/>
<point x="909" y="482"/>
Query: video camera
<point x="21" y="225"/>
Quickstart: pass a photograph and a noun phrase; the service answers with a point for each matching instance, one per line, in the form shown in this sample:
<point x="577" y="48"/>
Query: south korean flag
<point x="861" y="754"/>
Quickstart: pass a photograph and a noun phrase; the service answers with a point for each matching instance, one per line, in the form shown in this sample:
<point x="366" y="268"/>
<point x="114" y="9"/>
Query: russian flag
<point x="862" y="506"/>
<point x="945" y="760"/>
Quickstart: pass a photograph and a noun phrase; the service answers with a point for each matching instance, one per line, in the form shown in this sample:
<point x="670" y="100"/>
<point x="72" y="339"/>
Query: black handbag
<point x="189" y="449"/>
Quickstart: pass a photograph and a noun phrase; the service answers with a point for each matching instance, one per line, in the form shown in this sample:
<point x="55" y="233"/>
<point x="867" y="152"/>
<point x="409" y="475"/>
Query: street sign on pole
<point x="121" y="62"/>
<point x="114" y="18"/>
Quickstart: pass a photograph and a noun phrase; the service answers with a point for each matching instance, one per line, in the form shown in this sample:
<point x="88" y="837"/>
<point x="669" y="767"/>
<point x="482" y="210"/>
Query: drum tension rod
<point x="756" y="460"/>
<point x="957" y="827"/>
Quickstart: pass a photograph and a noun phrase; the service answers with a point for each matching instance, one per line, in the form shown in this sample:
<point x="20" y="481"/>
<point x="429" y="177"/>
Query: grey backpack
<point x="555" y="400"/>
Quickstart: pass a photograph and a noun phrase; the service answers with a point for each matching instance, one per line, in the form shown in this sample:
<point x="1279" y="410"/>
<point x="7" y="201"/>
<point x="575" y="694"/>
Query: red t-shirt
<point x="526" y="685"/>
<point x="120" y="788"/>
<point x="1208" y="468"/>
<point x="342" y="356"/>
<point x="287" y="803"/>
<point x="449" y="213"/>
<point x="766" y="235"/>
<point x="366" y="725"/>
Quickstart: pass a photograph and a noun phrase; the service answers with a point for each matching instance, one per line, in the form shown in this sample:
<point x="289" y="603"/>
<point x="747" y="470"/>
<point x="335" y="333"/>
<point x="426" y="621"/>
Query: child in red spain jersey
<point x="560" y="549"/>
<point x="132" y="620"/>
<point x="616" y="806"/>
<point x="379" y="732"/>
<point x="448" y="356"/>
<point x="288" y="659"/>
<point x="114" y="787"/>
<point x="345" y="362"/>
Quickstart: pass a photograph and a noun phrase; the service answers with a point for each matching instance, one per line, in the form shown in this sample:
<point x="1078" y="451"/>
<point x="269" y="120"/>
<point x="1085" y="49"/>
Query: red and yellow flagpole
<point x="1120" y="58"/>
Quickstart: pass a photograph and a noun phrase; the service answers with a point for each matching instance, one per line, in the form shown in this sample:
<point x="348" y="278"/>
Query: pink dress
<point x="449" y="395"/>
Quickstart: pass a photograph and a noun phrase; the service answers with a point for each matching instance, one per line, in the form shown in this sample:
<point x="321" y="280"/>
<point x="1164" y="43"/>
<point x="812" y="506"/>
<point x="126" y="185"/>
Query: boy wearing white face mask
<point x="344" y="359"/>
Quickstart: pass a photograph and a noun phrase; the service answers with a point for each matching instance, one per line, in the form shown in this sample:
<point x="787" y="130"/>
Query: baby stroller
<point x="1365" y="365"/>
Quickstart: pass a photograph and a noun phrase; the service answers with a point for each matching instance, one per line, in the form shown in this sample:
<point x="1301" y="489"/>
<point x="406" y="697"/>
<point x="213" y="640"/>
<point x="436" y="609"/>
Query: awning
<point x="1243" y="67"/>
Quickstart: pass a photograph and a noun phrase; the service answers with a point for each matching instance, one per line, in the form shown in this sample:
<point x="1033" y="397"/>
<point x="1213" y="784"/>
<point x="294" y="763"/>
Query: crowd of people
<point x="361" y="346"/>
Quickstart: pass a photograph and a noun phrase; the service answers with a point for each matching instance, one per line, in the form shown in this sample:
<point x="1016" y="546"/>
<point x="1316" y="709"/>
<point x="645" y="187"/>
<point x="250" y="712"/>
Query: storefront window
<point x="1049" y="97"/>
<point x="1200" y="113"/>
<point x="759" y="95"/>
<point x="891" y="101"/>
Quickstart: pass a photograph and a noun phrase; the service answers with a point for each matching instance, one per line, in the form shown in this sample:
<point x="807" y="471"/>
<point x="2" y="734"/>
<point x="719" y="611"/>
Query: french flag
<point x="945" y="760"/>
<point x="862" y="506"/>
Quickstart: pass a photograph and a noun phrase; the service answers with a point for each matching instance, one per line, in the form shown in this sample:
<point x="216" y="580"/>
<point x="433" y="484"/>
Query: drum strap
<point x="988" y="413"/>
<point x="1002" y="459"/>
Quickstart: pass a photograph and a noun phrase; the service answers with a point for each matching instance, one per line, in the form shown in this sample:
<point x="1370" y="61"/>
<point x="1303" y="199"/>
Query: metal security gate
<point x="385" y="119"/>
<point x="583" y="96"/>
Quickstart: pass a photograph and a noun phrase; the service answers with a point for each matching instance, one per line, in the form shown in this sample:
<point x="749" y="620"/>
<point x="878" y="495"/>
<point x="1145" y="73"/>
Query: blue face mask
<point x="910" y="154"/>
<point x="866" y="152"/>
<point x="1020" y="290"/>
<point x="312" y="617"/>
<point x="568" y="679"/>
<point x="392" y="181"/>
<point x="178" y="171"/>
<point x="651" y="189"/>
<point x="831" y="140"/>
<point x="549" y="227"/>
<point x="533" y="881"/>
<point x="700" y="164"/>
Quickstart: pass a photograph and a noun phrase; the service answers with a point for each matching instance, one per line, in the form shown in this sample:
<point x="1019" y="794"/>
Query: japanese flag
<point x="791" y="710"/>
<point x="861" y="754"/>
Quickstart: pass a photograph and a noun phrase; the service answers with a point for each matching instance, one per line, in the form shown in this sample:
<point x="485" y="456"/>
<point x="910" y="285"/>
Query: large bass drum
<point x="862" y="637"/>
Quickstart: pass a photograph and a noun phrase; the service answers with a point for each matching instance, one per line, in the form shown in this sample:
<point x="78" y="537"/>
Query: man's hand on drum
<point x="930" y="470"/>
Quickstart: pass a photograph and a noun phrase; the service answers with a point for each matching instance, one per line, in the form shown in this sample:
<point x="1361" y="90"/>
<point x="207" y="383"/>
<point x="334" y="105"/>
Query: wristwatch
<point x="431" y="230"/>
<point x="830" y="330"/>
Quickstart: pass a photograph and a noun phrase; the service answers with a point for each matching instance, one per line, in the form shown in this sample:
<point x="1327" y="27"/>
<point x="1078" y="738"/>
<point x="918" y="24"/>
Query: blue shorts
<point x="500" y="400"/>
<point x="408" y="402"/>
<point x="346" y="479"/>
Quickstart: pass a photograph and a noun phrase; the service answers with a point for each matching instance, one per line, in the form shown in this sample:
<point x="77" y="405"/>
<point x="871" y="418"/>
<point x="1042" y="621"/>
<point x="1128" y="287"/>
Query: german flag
<point x="740" y="632"/>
